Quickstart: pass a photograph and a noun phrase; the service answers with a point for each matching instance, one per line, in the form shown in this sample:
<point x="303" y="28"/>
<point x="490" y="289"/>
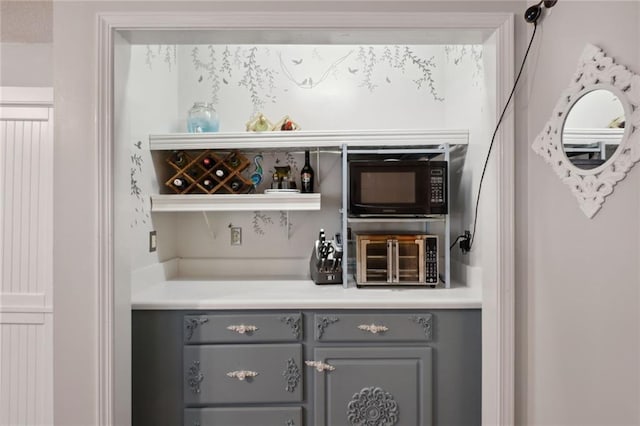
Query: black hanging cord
<point x="453" y="244"/>
<point x="493" y="138"/>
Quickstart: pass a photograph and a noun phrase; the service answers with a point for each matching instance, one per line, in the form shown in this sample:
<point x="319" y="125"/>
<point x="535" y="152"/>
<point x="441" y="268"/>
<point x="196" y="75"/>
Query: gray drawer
<point x="214" y="374"/>
<point x="373" y="327"/>
<point x="271" y="416"/>
<point x="283" y="327"/>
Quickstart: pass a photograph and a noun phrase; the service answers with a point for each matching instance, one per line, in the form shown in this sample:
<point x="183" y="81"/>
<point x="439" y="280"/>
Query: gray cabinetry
<point x="374" y="386"/>
<point x="243" y="416"/>
<point x="373" y="327"/>
<point x="248" y="328"/>
<point x="218" y="374"/>
<point x="414" y="367"/>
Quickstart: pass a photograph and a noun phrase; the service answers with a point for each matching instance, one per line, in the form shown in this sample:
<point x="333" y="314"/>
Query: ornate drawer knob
<point x="372" y="328"/>
<point x="242" y="374"/>
<point x="320" y="366"/>
<point x="242" y="329"/>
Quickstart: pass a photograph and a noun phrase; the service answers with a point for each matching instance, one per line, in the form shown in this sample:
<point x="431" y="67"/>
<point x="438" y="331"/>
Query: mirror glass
<point x="593" y="129"/>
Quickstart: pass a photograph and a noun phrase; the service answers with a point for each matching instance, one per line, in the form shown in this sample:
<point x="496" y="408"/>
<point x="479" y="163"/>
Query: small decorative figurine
<point x="286" y="124"/>
<point x="256" y="176"/>
<point x="282" y="178"/>
<point x="259" y="123"/>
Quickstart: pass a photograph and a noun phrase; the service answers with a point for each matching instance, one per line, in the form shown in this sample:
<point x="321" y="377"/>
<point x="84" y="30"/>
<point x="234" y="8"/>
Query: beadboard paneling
<point x="26" y="268"/>
<point x="26" y="370"/>
<point x="26" y="182"/>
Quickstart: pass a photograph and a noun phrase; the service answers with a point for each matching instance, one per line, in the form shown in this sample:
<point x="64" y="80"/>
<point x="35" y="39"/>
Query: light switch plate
<point x="153" y="241"/>
<point x="236" y="236"/>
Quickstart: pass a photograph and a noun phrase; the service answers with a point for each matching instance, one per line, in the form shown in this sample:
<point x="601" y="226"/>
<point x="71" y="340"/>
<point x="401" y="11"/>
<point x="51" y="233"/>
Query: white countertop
<point x="296" y="294"/>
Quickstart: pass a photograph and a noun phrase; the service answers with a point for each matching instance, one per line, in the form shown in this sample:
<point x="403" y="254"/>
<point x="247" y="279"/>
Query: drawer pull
<point x="242" y="329"/>
<point x="320" y="366"/>
<point x="242" y="374"/>
<point x="372" y="328"/>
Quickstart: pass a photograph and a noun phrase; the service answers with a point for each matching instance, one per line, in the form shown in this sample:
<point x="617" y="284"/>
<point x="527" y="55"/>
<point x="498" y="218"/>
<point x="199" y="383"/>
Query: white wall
<point x="25" y="43"/>
<point x="321" y="87"/>
<point x="146" y="103"/>
<point x="580" y="307"/>
<point x="26" y="64"/>
<point x="470" y="104"/>
<point x="577" y="325"/>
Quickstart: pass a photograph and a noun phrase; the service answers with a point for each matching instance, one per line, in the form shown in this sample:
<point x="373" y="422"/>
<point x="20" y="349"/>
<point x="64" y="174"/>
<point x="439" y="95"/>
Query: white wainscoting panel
<point x="26" y="256"/>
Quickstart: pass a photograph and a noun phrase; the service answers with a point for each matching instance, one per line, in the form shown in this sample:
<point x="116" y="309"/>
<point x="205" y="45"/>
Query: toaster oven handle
<point x="390" y="261"/>
<point x="396" y="259"/>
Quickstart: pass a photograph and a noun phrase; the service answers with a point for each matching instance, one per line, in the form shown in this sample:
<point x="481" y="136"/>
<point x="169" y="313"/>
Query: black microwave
<point x="398" y="188"/>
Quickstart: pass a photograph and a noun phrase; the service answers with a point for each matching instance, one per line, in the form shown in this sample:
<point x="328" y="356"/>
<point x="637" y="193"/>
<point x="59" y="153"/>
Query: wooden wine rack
<point x="194" y="172"/>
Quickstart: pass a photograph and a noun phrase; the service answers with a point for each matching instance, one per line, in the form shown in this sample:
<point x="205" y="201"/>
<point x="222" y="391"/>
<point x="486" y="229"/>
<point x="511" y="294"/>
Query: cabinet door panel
<point x="242" y="328"/>
<point x="243" y="416"/>
<point x="374" y="386"/>
<point x="374" y="327"/>
<point x="213" y="374"/>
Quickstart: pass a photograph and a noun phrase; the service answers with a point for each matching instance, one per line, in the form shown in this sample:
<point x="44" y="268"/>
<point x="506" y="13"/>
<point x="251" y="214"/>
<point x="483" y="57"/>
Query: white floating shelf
<point x="308" y="139"/>
<point x="585" y="136"/>
<point x="234" y="202"/>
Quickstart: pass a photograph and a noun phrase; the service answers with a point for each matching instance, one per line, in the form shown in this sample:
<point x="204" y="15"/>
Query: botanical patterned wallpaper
<point x="321" y="87"/>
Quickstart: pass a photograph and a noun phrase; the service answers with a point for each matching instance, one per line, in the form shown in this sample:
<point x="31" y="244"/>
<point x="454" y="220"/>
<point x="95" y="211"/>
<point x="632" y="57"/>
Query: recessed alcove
<point x="338" y="81"/>
<point x="485" y="266"/>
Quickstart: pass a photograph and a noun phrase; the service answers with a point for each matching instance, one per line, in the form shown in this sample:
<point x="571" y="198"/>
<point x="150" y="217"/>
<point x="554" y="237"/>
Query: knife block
<point x="321" y="275"/>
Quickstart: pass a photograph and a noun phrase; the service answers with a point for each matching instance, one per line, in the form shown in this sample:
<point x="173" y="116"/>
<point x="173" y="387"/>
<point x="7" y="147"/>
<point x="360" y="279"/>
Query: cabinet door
<point x="243" y="416"/>
<point x="374" y="327"/>
<point x="242" y="328"/>
<point x="223" y="374"/>
<point x="374" y="386"/>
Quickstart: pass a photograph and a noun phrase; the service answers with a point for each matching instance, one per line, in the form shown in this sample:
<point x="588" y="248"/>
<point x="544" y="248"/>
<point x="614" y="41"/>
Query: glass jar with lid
<point x="202" y="118"/>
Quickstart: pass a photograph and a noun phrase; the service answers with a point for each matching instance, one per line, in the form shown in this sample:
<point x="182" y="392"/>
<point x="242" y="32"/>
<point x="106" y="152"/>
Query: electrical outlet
<point x="153" y="241"/>
<point x="236" y="236"/>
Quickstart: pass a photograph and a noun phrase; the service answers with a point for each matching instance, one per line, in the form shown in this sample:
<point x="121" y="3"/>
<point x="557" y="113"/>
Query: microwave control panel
<point x="437" y="186"/>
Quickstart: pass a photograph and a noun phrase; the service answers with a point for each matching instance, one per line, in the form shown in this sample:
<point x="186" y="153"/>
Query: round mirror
<point x="593" y="129"/>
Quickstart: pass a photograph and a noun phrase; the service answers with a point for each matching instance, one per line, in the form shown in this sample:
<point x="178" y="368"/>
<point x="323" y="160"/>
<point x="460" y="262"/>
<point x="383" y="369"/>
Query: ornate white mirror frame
<point x="595" y="71"/>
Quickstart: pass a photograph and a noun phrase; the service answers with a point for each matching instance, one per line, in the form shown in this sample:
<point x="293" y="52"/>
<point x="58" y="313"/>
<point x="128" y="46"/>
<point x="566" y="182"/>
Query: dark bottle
<point x="195" y="172"/>
<point x="180" y="183"/>
<point x="208" y="184"/>
<point x="179" y="158"/>
<point x="306" y="175"/>
<point x="220" y="173"/>
<point x="208" y="162"/>
<point x="233" y="161"/>
<point x="236" y="185"/>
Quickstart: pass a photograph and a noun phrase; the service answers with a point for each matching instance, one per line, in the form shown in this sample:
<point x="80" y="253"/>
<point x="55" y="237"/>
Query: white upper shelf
<point x="234" y="202"/>
<point x="308" y="139"/>
<point x="585" y="136"/>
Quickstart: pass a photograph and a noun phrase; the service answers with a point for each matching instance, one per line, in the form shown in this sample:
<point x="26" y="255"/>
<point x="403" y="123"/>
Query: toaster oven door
<point x="374" y="258"/>
<point x="396" y="260"/>
<point x="408" y="261"/>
